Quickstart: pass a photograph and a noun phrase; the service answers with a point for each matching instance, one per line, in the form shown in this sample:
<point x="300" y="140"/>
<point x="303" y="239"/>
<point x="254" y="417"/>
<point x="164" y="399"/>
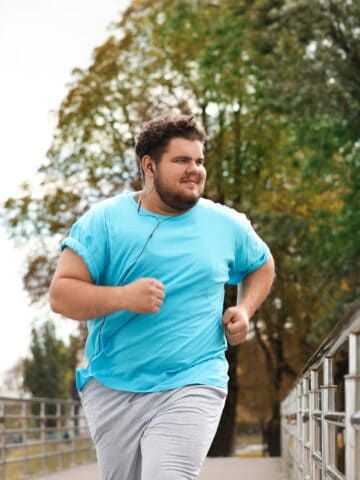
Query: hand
<point x="236" y="324"/>
<point x="144" y="295"/>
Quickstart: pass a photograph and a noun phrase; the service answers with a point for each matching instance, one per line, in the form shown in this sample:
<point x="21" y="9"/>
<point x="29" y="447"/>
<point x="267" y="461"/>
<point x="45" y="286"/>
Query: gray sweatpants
<point x="152" y="436"/>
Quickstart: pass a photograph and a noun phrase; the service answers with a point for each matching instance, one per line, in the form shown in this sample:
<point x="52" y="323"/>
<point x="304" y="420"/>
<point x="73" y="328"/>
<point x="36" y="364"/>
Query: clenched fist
<point x="144" y="295"/>
<point x="236" y="324"/>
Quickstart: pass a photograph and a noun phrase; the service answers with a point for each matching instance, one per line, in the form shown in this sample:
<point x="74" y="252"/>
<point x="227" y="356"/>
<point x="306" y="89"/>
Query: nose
<point x="193" y="166"/>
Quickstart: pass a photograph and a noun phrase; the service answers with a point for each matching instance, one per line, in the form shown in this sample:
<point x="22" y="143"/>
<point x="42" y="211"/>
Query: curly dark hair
<point x="157" y="133"/>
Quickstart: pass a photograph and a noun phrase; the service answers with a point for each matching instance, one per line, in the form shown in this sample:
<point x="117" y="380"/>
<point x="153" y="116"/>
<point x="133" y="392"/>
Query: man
<point x="147" y="271"/>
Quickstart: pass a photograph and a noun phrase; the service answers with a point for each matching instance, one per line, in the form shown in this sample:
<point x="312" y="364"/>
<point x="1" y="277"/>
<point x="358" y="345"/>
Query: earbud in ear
<point x="150" y="168"/>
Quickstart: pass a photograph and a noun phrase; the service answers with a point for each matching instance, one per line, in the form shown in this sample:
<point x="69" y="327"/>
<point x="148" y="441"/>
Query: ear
<point x="147" y="166"/>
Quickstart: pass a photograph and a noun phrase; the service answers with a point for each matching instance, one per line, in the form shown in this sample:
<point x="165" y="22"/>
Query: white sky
<point x="41" y="41"/>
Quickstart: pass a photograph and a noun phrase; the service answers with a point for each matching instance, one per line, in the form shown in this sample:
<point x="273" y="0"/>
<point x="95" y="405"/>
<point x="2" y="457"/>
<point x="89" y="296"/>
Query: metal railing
<point x="41" y="435"/>
<point x="319" y="440"/>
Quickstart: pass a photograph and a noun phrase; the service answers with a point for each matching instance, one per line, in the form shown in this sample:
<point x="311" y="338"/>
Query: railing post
<point x="42" y="426"/>
<point x="312" y="387"/>
<point x="74" y="420"/>
<point x="305" y="429"/>
<point x="299" y="428"/>
<point x="2" y="442"/>
<point x="317" y="421"/>
<point x="352" y="410"/>
<point x="288" y="434"/>
<point x="32" y="425"/>
<point x="328" y="405"/>
<point x="59" y="437"/>
<point x="314" y="423"/>
<point x="25" y="439"/>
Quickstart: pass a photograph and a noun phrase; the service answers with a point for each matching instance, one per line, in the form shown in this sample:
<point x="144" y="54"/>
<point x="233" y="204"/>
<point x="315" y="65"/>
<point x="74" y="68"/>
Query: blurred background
<point x="277" y="86"/>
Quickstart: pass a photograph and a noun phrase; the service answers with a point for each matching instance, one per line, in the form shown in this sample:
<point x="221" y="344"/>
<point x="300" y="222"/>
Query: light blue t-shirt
<point x="193" y="254"/>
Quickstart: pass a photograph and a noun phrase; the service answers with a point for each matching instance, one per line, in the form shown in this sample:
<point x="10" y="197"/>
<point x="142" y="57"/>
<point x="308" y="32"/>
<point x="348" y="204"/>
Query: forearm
<point x="254" y="290"/>
<point x="256" y="287"/>
<point x="81" y="300"/>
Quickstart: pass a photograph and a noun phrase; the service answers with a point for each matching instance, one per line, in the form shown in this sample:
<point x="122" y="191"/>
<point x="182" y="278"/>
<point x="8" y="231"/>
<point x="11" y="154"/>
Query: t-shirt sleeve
<point x="88" y="238"/>
<point x="251" y="252"/>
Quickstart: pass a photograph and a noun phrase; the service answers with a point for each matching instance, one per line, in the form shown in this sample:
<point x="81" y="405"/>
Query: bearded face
<point x="179" y="177"/>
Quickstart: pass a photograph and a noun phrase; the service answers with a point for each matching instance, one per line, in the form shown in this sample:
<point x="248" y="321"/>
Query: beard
<point x="175" y="200"/>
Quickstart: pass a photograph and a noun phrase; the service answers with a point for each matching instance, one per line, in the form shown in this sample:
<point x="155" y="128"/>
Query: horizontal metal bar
<point x="43" y="429"/>
<point x="34" y="432"/>
<point x="334" y="473"/>
<point x="315" y="390"/>
<point x="17" y="446"/>
<point x="38" y="418"/>
<point x="31" y="428"/>
<point x="332" y="344"/>
<point x="306" y="393"/>
<point x="336" y="418"/>
<point x="355" y="420"/>
<point x="44" y="455"/>
<point x="44" y="400"/>
<point x="317" y="457"/>
<point x="35" y="442"/>
<point x="316" y="415"/>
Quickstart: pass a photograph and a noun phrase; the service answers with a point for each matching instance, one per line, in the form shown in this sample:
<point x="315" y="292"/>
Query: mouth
<point x="192" y="181"/>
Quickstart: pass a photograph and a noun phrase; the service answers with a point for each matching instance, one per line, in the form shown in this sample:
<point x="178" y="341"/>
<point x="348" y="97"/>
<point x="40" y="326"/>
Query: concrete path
<point x="214" y="469"/>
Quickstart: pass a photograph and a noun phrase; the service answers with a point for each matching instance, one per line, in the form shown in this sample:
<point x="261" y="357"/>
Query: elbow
<point x="56" y="297"/>
<point x="55" y="303"/>
<point x="272" y="267"/>
<point x="268" y="271"/>
<point x="272" y="274"/>
<point x="60" y="304"/>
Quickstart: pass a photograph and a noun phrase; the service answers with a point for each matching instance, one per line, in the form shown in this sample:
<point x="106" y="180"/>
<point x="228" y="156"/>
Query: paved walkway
<point x="214" y="469"/>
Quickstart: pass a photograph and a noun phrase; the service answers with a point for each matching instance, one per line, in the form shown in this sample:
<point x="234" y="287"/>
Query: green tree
<point x="48" y="371"/>
<point x="313" y="50"/>
<point x="280" y="109"/>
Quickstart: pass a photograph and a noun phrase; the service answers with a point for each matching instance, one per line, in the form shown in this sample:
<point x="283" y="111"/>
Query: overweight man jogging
<point x="147" y="271"/>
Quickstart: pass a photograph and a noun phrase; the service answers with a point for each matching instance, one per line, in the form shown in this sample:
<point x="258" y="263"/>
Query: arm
<point x="256" y="287"/>
<point x="74" y="295"/>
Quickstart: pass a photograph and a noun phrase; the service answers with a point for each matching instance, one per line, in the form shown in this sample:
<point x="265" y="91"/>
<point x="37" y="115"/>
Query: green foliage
<point x="49" y="370"/>
<point x="276" y="84"/>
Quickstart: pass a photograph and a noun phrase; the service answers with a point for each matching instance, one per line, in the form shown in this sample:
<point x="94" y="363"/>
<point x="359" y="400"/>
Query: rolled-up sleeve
<point x="88" y="238"/>
<point x="251" y="252"/>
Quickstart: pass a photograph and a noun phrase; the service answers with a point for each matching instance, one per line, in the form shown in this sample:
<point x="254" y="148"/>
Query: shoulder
<point x="220" y="211"/>
<point x="107" y="208"/>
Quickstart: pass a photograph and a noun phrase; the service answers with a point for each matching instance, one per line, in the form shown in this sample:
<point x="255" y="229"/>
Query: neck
<point x="150" y="200"/>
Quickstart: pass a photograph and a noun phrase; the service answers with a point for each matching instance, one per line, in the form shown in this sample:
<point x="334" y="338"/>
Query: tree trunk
<point x="272" y="432"/>
<point x="224" y="441"/>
